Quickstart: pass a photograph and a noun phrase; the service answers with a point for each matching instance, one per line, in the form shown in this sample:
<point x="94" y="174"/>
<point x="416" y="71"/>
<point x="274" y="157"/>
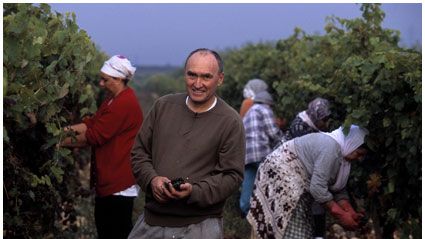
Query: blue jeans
<point x="247" y="187"/>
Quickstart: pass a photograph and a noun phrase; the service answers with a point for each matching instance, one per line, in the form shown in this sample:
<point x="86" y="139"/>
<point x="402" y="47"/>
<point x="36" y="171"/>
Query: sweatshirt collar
<point x="212" y="106"/>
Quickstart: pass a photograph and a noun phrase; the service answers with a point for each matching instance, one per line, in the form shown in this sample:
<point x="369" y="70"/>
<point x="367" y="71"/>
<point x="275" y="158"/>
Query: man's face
<point x="202" y="77"/>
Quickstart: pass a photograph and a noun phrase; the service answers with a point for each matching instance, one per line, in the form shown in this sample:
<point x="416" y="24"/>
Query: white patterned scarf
<point x="348" y="144"/>
<point x="304" y="116"/>
<point x="118" y="66"/>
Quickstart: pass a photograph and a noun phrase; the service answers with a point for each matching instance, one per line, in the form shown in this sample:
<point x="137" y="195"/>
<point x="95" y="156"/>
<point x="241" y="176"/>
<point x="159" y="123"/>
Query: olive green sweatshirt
<point x="208" y="148"/>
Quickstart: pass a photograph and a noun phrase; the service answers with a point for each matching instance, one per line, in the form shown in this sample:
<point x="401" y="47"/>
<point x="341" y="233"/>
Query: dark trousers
<point x="319" y="229"/>
<point x="113" y="216"/>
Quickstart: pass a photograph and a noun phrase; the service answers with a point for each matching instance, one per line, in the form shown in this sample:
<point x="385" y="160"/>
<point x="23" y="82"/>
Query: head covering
<point x="263" y="97"/>
<point x="118" y="66"/>
<point x="318" y="109"/>
<point x="348" y="143"/>
<point x="253" y="87"/>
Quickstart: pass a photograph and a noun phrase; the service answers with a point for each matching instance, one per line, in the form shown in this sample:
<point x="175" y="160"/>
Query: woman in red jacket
<point x="111" y="132"/>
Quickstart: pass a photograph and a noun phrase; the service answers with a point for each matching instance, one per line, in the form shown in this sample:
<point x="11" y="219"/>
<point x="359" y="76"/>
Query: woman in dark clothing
<point x="312" y="120"/>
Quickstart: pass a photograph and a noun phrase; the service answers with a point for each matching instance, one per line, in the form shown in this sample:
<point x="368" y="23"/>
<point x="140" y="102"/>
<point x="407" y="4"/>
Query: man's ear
<point x="220" y="79"/>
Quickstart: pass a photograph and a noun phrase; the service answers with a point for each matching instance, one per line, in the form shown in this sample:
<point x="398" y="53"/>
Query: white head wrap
<point x="253" y="87"/>
<point x="263" y="97"/>
<point x="348" y="143"/>
<point x="118" y="66"/>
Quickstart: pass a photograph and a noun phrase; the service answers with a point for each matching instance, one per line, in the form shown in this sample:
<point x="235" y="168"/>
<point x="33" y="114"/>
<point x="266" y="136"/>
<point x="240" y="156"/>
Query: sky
<point x="165" y="33"/>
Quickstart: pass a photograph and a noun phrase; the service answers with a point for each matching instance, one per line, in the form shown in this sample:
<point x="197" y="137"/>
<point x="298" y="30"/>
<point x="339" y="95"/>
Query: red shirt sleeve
<point x="246" y="104"/>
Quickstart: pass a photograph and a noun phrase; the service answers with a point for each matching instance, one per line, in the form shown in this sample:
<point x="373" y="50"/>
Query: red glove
<point x="345" y="218"/>
<point x="346" y="206"/>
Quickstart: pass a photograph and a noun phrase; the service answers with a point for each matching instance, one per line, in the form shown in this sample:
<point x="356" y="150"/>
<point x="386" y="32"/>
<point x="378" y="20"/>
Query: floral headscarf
<point x="318" y="109"/>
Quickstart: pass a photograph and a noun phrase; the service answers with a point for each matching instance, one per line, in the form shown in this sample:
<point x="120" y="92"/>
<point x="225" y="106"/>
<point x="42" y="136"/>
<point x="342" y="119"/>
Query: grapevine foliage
<point x="50" y="68"/>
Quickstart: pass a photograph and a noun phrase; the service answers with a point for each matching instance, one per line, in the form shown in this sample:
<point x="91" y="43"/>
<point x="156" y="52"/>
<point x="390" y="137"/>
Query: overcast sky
<point x="160" y="34"/>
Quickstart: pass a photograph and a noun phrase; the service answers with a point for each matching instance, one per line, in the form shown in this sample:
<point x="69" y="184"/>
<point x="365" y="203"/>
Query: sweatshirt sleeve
<point x="141" y="154"/>
<point x="228" y="173"/>
<point x="343" y="194"/>
<point x="326" y="164"/>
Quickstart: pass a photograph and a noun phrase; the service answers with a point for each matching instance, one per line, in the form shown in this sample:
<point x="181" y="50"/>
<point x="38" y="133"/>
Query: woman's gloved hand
<point x="344" y="217"/>
<point x="346" y="206"/>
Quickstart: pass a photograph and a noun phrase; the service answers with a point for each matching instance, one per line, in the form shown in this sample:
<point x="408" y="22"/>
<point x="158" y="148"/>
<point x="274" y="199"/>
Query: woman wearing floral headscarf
<point x="312" y="167"/>
<point x="312" y="120"/>
<point x="111" y="133"/>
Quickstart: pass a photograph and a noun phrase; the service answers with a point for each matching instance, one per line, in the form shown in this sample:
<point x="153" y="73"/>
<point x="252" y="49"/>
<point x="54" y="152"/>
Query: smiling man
<point x="195" y="136"/>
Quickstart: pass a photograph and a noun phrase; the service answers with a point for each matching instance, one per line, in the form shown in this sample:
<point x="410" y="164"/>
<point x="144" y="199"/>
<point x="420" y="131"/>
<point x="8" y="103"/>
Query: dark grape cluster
<point x="177" y="182"/>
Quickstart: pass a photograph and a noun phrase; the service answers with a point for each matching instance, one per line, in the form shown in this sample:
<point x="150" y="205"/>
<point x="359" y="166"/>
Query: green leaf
<point x="53" y="129"/>
<point x="5" y="136"/>
<point x="357" y="114"/>
<point x="59" y="37"/>
<point x="24" y="63"/>
<point x="386" y="122"/>
<point x="391" y="186"/>
<point x="392" y="214"/>
<point x="57" y="172"/>
<point x="64" y="152"/>
<point x="52" y="110"/>
<point x="374" y="41"/>
<point x="49" y="143"/>
<point x="34" y="181"/>
<point x="51" y="68"/>
<point x="413" y="149"/>
<point x="11" y="50"/>
<point x="84" y="111"/>
<point x="5" y="79"/>
<point x="347" y="100"/>
<point x="82" y="98"/>
<point x="38" y="40"/>
<point x="31" y="194"/>
<point x="63" y="91"/>
<point x="388" y="141"/>
<point x="47" y="180"/>
<point x="399" y="105"/>
<point x="404" y="122"/>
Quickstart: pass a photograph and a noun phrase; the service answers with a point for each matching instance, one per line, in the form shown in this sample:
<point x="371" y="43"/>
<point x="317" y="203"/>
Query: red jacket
<point x="111" y="133"/>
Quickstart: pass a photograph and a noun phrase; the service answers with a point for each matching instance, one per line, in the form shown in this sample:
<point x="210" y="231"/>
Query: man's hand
<point x="172" y="193"/>
<point x="158" y="188"/>
<point x="163" y="191"/>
